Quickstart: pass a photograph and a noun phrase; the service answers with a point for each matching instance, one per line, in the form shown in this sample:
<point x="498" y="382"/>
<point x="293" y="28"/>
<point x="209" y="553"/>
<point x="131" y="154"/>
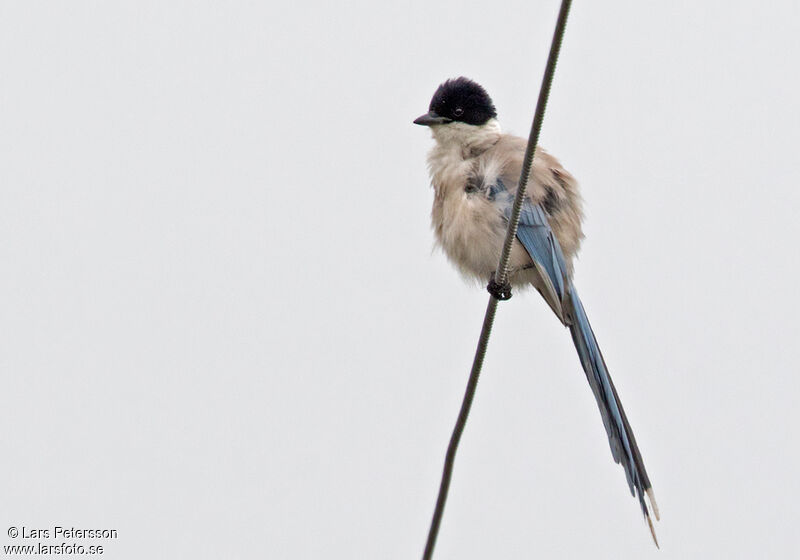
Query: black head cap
<point x="463" y="100"/>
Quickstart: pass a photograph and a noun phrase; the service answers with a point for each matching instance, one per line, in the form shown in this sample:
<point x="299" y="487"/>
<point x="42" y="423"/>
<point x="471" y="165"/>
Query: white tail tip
<point x="652" y="530"/>
<point x="653" y="504"/>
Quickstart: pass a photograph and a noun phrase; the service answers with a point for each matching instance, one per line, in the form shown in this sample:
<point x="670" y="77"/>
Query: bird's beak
<point x="430" y="118"/>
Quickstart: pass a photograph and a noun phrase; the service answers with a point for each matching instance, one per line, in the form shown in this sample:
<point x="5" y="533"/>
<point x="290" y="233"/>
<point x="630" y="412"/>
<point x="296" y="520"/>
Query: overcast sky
<point x="224" y="332"/>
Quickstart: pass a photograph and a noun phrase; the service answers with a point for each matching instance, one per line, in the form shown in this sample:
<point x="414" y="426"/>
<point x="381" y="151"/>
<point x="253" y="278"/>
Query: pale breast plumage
<point x="469" y="226"/>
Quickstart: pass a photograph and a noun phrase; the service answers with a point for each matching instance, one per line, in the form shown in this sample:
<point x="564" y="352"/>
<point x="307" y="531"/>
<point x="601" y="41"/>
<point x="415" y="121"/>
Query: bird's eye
<point x="458" y="111"/>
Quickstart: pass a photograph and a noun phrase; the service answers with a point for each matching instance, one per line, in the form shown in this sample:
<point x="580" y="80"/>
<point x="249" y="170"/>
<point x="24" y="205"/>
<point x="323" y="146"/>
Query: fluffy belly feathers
<point x="471" y="230"/>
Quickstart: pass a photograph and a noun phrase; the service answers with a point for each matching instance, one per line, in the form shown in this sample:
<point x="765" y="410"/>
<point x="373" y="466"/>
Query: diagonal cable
<point x="500" y="279"/>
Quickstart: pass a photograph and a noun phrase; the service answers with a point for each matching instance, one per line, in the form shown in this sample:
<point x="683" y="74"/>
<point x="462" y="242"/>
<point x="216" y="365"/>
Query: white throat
<point x="467" y="137"/>
<point x="452" y="158"/>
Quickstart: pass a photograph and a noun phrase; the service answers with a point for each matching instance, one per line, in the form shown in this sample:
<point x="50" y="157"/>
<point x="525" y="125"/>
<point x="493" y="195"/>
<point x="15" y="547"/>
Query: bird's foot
<point x="499" y="291"/>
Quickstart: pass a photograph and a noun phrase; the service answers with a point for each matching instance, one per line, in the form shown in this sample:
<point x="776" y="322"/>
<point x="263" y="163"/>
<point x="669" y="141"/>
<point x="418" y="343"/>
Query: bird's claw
<point x="499" y="291"/>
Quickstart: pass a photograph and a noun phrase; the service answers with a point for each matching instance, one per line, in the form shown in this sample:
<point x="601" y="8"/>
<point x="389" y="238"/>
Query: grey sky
<point x="224" y="333"/>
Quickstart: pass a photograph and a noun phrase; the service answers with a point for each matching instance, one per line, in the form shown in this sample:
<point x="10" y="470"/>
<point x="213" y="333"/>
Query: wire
<point x="500" y="278"/>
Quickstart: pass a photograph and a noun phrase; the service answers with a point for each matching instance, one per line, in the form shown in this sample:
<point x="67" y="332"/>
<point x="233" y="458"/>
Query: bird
<point x="474" y="168"/>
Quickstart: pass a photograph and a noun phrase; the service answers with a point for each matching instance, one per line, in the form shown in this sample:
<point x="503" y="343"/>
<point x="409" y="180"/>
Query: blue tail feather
<point x="620" y="436"/>
<point x="536" y="235"/>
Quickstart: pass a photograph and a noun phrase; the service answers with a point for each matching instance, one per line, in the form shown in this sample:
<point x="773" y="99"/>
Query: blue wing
<point x="537" y="237"/>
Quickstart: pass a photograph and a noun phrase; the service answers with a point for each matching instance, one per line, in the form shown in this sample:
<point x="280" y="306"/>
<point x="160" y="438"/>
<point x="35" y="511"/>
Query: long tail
<point x="620" y="434"/>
